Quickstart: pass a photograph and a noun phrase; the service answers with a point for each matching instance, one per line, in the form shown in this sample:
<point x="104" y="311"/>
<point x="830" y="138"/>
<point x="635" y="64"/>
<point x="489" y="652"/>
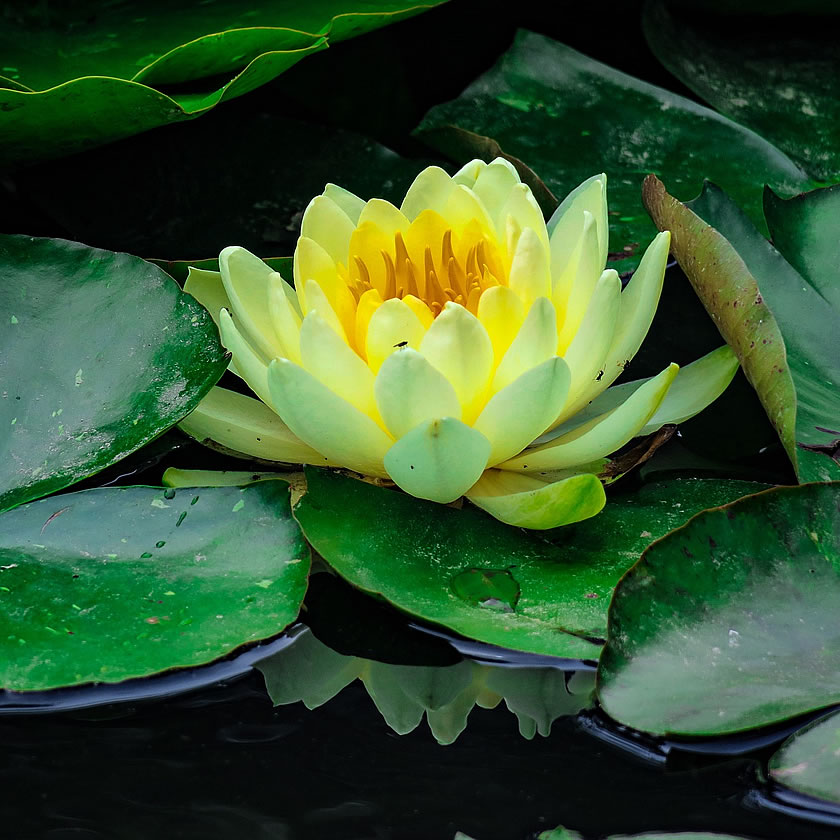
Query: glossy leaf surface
<point x="730" y="622"/>
<point x="110" y="584"/>
<point x="99" y="353"/>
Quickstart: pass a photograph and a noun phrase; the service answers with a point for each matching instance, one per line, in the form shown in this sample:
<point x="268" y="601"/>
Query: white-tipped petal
<point x="523" y="410"/>
<point x="248" y="362"/>
<point x="530" y="274"/>
<point x="319" y="417"/>
<point x="243" y="424"/>
<point x="349" y="202"/>
<point x="459" y="347"/>
<point x="527" y="502"/>
<point x="328" y="225"/>
<point x="333" y="363"/>
<point x="410" y="391"/>
<point x="429" y="191"/>
<point x="601" y="435"/>
<point x="535" y="342"/>
<point x="564" y="226"/>
<point x="438" y="460"/>
<point x="392" y="326"/>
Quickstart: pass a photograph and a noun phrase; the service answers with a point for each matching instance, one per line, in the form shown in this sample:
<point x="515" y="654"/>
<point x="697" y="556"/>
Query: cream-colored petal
<point x="527" y="502"/>
<point x="522" y="207"/>
<point x="409" y="391"/>
<point x="285" y="319"/>
<point x="468" y="173"/>
<point x="246" y="279"/>
<point x="429" y="191"/>
<point x="502" y="313"/>
<point x="349" y="202"/>
<point x="459" y="347"/>
<point x="334" y="364"/>
<point x="385" y="216"/>
<point x="463" y="206"/>
<point x="438" y="460"/>
<point x="326" y="223"/>
<point x="317" y="301"/>
<point x="493" y="186"/>
<point x="325" y="421"/>
<point x="535" y="342"/>
<point x="392" y="326"/>
<point x="523" y="410"/>
<point x="530" y="275"/>
<point x="248" y="362"/>
<point x="565" y="224"/>
<point x="244" y="425"/>
<point x="601" y="435"/>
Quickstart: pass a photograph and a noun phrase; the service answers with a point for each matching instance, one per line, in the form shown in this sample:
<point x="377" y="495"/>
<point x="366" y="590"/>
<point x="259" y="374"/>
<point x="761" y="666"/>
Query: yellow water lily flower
<point x="456" y="345"/>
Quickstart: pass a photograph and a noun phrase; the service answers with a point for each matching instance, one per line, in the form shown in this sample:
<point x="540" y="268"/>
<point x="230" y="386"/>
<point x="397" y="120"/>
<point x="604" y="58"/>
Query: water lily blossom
<point x="457" y="345"/>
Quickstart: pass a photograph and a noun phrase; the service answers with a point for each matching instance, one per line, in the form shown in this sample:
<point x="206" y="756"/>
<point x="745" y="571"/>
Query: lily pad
<point x="561" y="833"/>
<point x="809" y="761"/>
<point x="782" y="79"/>
<point x="114" y="583"/>
<point x="99" y="353"/>
<point x="483" y="579"/>
<point x="730" y="622"/>
<point x="782" y="325"/>
<point x="568" y="116"/>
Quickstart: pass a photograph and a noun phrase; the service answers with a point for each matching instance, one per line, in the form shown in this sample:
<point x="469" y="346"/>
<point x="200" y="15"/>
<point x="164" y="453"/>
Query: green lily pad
<point x="569" y="117"/>
<point x="782" y="81"/>
<point x="83" y="74"/>
<point x="729" y="623"/>
<point x="561" y="833"/>
<point x="99" y="354"/>
<point x="474" y="575"/>
<point x="809" y="761"/>
<point x="782" y="328"/>
<point x="114" y="583"/>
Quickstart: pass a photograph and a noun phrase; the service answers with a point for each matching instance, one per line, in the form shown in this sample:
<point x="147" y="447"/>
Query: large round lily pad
<point x="114" y="583"/>
<point x="730" y="622"/>
<point x="99" y="353"/>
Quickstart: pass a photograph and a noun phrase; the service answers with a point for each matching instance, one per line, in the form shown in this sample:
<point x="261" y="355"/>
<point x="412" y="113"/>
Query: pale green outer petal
<point x="564" y="224"/>
<point x="243" y="424"/>
<point x="246" y="279"/>
<point x="524" y="409"/>
<point x="535" y="342"/>
<point x="457" y="344"/>
<point x="523" y="208"/>
<point x="207" y="288"/>
<point x="564" y="252"/>
<point x="326" y="223"/>
<point x="438" y="460"/>
<point x="601" y="435"/>
<point x="334" y="364"/>
<point x="587" y="354"/>
<point x="349" y="202"/>
<point x="527" y="502"/>
<point x="409" y="391"/>
<point x="430" y="190"/>
<point x="324" y="421"/>
<point x="392" y="326"/>
<point x="173" y="477"/>
<point x="385" y="216"/>
<point x="284" y="318"/>
<point x="468" y="173"/>
<point x="493" y="187"/>
<point x="317" y="301"/>
<point x="530" y="273"/>
<point x="250" y="365"/>
<point x="582" y="281"/>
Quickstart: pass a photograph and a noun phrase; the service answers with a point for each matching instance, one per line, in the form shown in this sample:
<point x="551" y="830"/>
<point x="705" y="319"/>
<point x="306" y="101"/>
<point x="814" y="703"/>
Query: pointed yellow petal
<point x="326" y="223"/>
<point x="313" y="263"/>
<point x="385" y="216"/>
<point x="529" y="274"/>
<point x="284" y="318"/>
<point x="410" y="391"/>
<point x="458" y="346"/>
<point x="331" y="361"/>
<point x="501" y="312"/>
<point x="369" y="302"/>
<point x="522" y="411"/>
<point x="317" y="301"/>
<point x="350" y="203"/>
<point x="249" y="363"/>
<point x="566" y="222"/>
<point x="420" y="309"/>
<point x="392" y="326"/>
<point x="535" y="342"/>
<point x="429" y="191"/>
<point x="326" y="422"/>
<point x="463" y="206"/>
<point x="438" y="460"/>
<point x="601" y="435"/>
<point x="244" y="425"/>
<point x="526" y="502"/>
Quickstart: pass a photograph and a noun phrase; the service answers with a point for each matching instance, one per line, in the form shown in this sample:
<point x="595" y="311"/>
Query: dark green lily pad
<point x="809" y="761"/>
<point x="569" y="117"/>
<point x="115" y="583"/>
<point x="729" y="623"/>
<point x="779" y="78"/>
<point x="782" y="328"/>
<point x="486" y="580"/>
<point x="99" y="354"/>
<point x="561" y="833"/>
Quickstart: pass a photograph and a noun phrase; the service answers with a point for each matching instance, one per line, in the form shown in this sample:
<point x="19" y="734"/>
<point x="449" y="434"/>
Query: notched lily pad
<point x="115" y="583"/>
